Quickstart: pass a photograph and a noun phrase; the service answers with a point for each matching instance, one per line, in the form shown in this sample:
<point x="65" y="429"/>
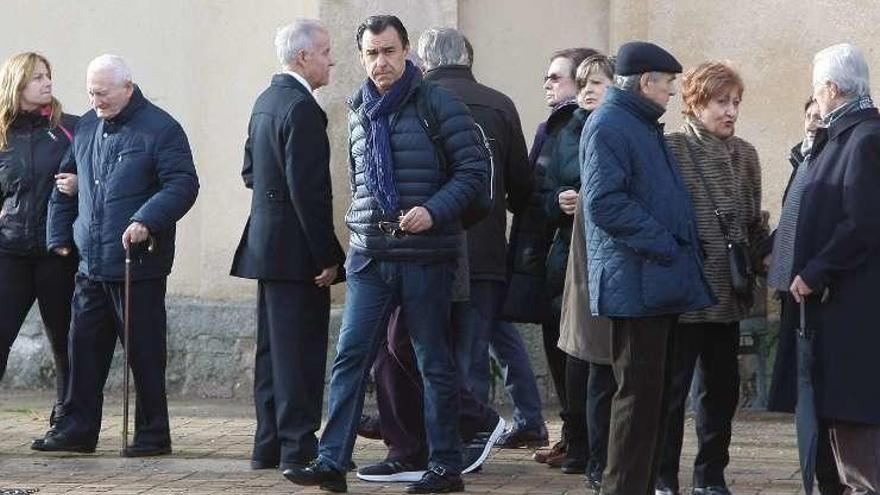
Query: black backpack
<point x="481" y="206"/>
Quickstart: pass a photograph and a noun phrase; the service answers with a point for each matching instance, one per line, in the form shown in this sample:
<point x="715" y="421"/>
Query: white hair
<point x="633" y="83"/>
<point x="296" y="37"/>
<point x="114" y="64"/>
<point x="442" y="46"/>
<point x="845" y="66"/>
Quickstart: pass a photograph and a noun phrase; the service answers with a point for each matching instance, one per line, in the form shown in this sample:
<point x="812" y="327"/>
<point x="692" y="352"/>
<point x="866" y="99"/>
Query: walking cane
<point x="125" y="349"/>
<point x="126" y="331"/>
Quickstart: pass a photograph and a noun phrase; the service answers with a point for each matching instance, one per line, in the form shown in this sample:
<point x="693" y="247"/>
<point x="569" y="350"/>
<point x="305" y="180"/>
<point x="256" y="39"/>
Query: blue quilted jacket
<point x="136" y="167"/>
<point x="642" y="245"/>
<point x="421" y="179"/>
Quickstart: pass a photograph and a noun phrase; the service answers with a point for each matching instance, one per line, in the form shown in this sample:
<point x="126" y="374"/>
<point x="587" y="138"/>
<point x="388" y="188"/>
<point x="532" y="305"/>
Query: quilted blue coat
<point x="642" y="246"/>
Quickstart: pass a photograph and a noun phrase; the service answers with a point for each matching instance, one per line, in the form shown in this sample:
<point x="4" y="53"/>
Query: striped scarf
<point x="379" y="157"/>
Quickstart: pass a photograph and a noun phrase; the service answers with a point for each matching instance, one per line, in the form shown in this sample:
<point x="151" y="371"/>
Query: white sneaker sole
<point x="410" y="476"/>
<point x="496" y="434"/>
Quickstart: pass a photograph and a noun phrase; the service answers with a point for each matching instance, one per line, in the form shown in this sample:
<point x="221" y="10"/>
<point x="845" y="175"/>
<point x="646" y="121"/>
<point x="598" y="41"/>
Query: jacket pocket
<point x="667" y="286"/>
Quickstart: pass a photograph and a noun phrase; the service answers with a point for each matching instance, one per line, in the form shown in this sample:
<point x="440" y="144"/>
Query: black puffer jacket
<point x="497" y="115"/>
<point x="27" y="177"/>
<point x="421" y="180"/>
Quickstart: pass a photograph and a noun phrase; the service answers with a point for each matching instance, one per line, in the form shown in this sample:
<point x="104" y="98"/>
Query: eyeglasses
<point x="392" y="229"/>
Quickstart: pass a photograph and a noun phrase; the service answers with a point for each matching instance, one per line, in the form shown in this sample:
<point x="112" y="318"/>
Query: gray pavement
<point x="212" y="441"/>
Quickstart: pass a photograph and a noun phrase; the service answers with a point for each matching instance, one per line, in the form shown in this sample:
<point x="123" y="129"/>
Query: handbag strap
<point x="725" y="230"/>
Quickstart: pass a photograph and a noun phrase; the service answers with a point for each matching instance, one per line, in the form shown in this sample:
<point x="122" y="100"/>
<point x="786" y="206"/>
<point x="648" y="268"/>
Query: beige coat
<point x="581" y="334"/>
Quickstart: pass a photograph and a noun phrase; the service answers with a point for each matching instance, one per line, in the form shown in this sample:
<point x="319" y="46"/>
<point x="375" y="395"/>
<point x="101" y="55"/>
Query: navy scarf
<point x="379" y="159"/>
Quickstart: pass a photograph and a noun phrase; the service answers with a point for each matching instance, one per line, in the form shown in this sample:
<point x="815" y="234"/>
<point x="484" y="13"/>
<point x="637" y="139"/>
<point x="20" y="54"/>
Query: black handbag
<point x="742" y="273"/>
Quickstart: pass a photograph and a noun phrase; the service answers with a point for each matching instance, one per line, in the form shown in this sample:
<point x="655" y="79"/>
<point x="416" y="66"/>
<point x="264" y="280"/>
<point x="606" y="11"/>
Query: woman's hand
<point x="568" y="201"/>
<point x="67" y="183"/>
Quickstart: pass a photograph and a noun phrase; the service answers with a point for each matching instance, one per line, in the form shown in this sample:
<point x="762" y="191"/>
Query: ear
<point x="645" y="80"/>
<point x="833" y="90"/>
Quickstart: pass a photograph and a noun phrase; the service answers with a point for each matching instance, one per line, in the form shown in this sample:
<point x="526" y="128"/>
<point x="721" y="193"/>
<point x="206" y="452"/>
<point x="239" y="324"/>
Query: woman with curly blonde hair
<point x="34" y="138"/>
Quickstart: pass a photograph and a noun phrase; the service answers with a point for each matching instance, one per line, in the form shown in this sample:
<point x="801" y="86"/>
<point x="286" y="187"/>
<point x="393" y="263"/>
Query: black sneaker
<point x="477" y="450"/>
<point x="317" y="473"/>
<point x="391" y="470"/>
<point x="437" y="480"/>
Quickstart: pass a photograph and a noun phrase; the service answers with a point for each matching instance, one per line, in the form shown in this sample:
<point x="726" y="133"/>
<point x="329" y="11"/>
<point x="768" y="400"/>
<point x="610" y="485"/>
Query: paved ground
<point x="212" y="442"/>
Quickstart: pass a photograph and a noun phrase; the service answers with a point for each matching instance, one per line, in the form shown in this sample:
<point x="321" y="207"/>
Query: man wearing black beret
<point x="644" y="262"/>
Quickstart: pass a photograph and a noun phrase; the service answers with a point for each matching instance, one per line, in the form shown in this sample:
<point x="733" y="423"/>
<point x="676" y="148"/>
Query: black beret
<point x="638" y="57"/>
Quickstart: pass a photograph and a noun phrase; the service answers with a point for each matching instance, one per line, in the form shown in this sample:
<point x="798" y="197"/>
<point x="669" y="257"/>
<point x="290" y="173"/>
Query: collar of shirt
<point x="299" y="78"/>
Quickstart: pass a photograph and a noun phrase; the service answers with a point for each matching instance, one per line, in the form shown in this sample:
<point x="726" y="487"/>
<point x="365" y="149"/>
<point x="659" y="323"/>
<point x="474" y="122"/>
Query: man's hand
<point x="799" y="289"/>
<point x="66" y="183"/>
<point x="416" y="220"/>
<point x="62" y="251"/>
<point x="766" y="262"/>
<point x="136" y="233"/>
<point x="327" y="276"/>
<point x="568" y="201"/>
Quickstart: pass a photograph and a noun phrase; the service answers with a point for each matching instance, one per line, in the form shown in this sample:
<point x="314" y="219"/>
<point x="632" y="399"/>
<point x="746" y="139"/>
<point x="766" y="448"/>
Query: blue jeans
<point x="505" y="344"/>
<point x="422" y="290"/>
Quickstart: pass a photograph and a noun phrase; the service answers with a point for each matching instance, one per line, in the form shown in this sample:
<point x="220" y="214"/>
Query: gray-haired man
<point x="136" y="180"/>
<point x="287" y="165"/>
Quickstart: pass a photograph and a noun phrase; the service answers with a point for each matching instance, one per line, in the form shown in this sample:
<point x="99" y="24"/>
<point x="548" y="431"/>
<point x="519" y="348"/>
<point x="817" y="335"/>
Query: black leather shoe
<point x="711" y="490"/>
<point x="519" y="437"/>
<point x="437" y="480"/>
<point x="146" y="450"/>
<point x="368" y="427"/>
<point x="59" y="442"/>
<point x="317" y="473"/>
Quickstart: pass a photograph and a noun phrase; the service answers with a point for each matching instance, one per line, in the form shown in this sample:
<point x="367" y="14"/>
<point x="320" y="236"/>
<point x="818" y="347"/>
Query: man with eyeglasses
<point x="405" y="223"/>
<point x="527" y="298"/>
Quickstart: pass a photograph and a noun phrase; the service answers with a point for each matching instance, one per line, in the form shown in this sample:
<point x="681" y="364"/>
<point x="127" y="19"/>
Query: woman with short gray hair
<point x="835" y="270"/>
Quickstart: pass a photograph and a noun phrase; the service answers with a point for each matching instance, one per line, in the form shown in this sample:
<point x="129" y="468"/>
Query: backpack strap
<point x="429" y="122"/>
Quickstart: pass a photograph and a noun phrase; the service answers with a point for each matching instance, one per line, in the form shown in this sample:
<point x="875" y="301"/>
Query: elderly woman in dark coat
<point x="835" y="266"/>
<point x="723" y="176"/>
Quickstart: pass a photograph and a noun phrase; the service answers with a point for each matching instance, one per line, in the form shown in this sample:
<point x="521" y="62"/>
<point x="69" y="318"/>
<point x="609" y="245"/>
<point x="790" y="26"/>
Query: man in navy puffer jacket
<point x="405" y="236"/>
<point x="136" y="180"/>
<point x="644" y="257"/>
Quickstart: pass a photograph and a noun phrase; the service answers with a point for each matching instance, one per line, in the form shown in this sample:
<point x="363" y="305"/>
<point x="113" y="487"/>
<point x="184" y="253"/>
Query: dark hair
<point x="809" y="103"/>
<point x="379" y="23"/>
<point x="575" y="55"/>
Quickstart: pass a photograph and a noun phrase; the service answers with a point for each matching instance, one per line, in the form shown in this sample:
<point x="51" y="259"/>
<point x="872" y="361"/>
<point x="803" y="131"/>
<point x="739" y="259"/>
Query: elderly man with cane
<point x="137" y="179"/>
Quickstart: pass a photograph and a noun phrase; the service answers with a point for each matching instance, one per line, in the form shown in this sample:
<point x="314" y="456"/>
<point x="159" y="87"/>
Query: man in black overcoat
<point x="290" y="247"/>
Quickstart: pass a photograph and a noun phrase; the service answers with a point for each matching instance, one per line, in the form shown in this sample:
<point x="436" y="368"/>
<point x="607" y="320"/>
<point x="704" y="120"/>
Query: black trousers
<point x="714" y="348"/>
<point x="96" y="325"/>
<point x="49" y="281"/>
<point x="641" y="352"/>
<point x="399" y="390"/>
<point x="556" y="362"/>
<point x="293" y="321"/>
<point x="577" y="374"/>
<point x="601" y="387"/>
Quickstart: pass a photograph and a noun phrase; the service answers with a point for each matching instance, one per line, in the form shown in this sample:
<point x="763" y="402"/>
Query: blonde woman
<point x="34" y="137"/>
